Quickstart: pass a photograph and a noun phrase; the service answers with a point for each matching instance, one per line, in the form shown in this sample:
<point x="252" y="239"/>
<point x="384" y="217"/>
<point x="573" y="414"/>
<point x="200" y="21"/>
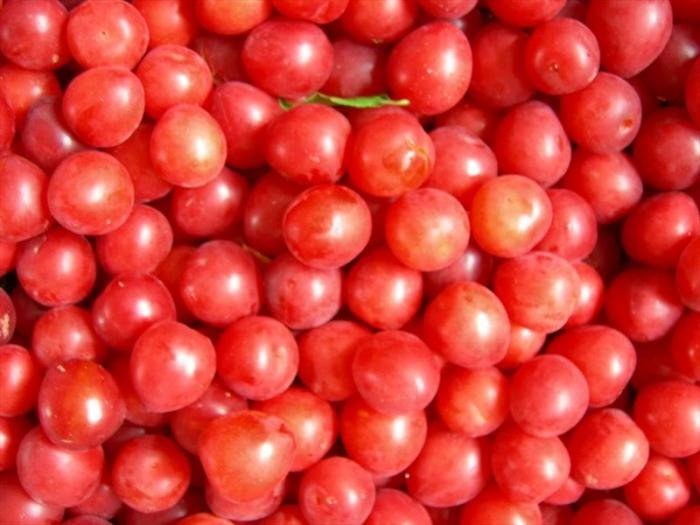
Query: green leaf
<point x="367" y="102"/>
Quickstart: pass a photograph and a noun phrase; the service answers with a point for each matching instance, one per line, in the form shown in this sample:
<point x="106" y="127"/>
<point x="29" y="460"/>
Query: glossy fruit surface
<point x="302" y="48"/>
<point x="474" y="402"/>
<point x="229" y="269"/>
<point x="127" y="306"/>
<point x="528" y="468"/>
<point x="55" y="475"/>
<point x="646" y="27"/>
<point x="188" y="147"/>
<point x="23" y="207"/>
<point x="509" y="215"/>
<point x="660" y="490"/>
<point x="381" y="291"/>
<point x="32" y="34"/>
<point x="18" y="505"/>
<point x="383" y="444"/>
<point x="608" y="450"/>
<point x="79" y="405"/>
<point x="173" y="75"/>
<point x="436" y="53"/>
<point x="336" y="489"/>
<point x="57" y="267"/>
<point x="531" y="141"/>
<point x="246" y="454"/>
<point x="390" y="154"/>
<point x="150" y="473"/>
<point x="668" y="412"/>
<point x="327" y="226"/>
<point x="389" y="389"/>
<point x="104" y="105"/>
<point x="257" y="357"/>
<point x="20" y="379"/>
<point x="171" y="366"/>
<point x="320" y="132"/>
<point x="538" y="290"/>
<point x="109" y="33"/>
<point x="548" y="396"/>
<point x="90" y="193"/>
<point x="450" y="469"/>
<point x="312" y="420"/>
<point x="468" y="325"/>
<point x="604" y="355"/>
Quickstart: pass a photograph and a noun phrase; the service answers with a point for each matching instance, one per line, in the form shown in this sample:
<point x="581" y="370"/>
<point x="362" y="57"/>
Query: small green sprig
<point x="366" y="102"/>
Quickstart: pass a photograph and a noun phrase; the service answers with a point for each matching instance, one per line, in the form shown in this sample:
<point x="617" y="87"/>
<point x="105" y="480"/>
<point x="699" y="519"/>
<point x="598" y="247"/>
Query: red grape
<point x="390" y="389"/>
<point x="111" y="33"/>
<point x="227" y="290"/>
<point x="18" y="506"/>
<point x="187" y="423"/>
<point x="150" y="473"/>
<point x="538" y="290"/>
<point x="326" y="354"/>
<point x="300" y="296"/>
<point x="173" y="75"/>
<point x="55" y="475"/>
<point x="287" y="58"/>
<point x="336" y="490"/>
<point x="669" y="414"/>
<point x="312" y="420"/>
<point x="607" y="449"/>
<point x="631" y="34"/>
<point x="257" y="357"/>
<point x="436" y="54"/>
<point x="451" y="469"/>
<point x="604" y="116"/>
<point x="527" y="468"/>
<point x="57" y="268"/>
<point x="104" y="105"/>
<point x="90" y="193"/>
<point x="169" y="21"/>
<point x="46" y="138"/>
<point x="463" y="162"/>
<point x="474" y="402"/>
<point x="307" y="144"/>
<point x="562" y="56"/>
<point x="531" y="141"/>
<point x="379" y="21"/>
<point x="509" y="215"/>
<point x="127" y="306"/>
<point x="327" y="226"/>
<point x="246" y="454"/>
<point x="468" y="325"/>
<point x="499" y="78"/>
<point x="171" y="365"/>
<point x="383" y="444"/>
<point x="80" y="405"/>
<point x="188" y="147"/>
<point x="390" y="154"/>
<point x="605" y="357"/>
<point x="222" y="17"/>
<point x="548" y="396"/>
<point x="604" y="511"/>
<point x="33" y="33"/>
<point x="24" y="212"/>
<point x="661" y="489"/>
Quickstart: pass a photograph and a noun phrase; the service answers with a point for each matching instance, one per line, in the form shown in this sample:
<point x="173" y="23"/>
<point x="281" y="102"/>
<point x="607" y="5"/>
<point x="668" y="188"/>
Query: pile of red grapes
<point x="350" y="262"/>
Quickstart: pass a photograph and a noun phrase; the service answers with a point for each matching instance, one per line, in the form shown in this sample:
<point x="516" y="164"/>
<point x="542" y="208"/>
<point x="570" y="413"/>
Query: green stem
<point x="367" y="102"/>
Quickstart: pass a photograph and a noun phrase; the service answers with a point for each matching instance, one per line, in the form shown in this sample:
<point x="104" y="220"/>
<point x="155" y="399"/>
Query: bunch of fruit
<point x="350" y="262"/>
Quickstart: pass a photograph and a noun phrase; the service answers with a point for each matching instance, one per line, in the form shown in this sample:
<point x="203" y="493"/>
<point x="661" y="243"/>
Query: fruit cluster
<point x="350" y="262"/>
